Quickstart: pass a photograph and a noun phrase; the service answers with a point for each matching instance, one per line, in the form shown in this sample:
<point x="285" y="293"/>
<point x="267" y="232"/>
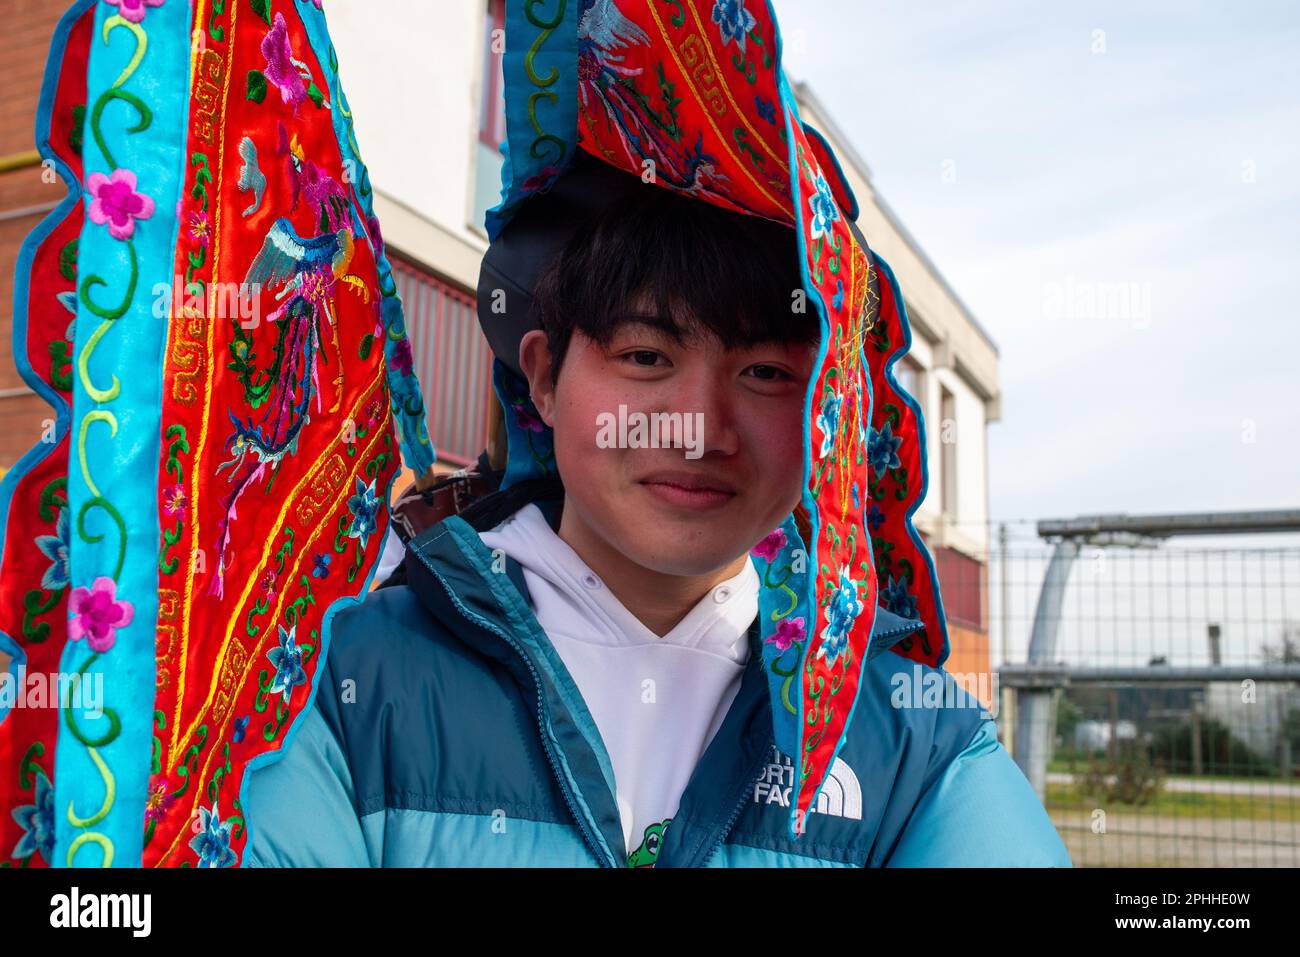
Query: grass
<point x="1068" y="797"/>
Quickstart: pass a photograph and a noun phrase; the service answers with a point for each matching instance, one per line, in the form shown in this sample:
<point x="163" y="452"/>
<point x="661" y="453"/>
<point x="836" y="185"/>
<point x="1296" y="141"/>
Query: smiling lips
<point x="689" y="490"/>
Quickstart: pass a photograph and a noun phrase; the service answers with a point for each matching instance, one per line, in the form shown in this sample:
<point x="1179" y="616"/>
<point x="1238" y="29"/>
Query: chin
<point x="670" y="554"/>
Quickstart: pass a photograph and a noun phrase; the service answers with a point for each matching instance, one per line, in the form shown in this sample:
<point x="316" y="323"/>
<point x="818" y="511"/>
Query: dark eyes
<point x="648" y="359"/>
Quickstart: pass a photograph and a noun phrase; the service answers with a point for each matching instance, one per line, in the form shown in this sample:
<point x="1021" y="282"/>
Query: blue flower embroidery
<point x="322" y="563"/>
<point x="875" y="518"/>
<point x="241" y="728"/>
<point x="841" y="612"/>
<point x="363" y="505"/>
<point x="766" y="108"/>
<point x="897" y="599"/>
<point x="824" y="210"/>
<point x="733" y="21"/>
<point x="212" y="843"/>
<point x="828" y="421"/>
<point x="882" y="450"/>
<point x="55" y="548"/>
<point x="37" y="822"/>
<point x="287" y="659"/>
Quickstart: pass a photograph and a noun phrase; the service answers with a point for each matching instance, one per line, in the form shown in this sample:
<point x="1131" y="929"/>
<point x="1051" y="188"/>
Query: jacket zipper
<point x="740" y="804"/>
<point x="543" y="719"/>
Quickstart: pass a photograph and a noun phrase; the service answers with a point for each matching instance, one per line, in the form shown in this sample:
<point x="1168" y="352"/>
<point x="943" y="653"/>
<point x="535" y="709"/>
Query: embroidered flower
<point x="875" y="518"/>
<point x="525" y="418"/>
<point x="829" y="420"/>
<point x="37" y="822"/>
<point x="55" y="548"/>
<point x="766" y="108"/>
<point x="733" y="21"/>
<point x="539" y="179"/>
<point x="842" y="610"/>
<point x="882" y="450"/>
<point x="287" y="658"/>
<point x="824" y="210"/>
<point x="175" y="500"/>
<point x="133" y="10"/>
<point x="363" y="505"/>
<point x="200" y="228"/>
<point x="402" y="360"/>
<point x="788" y="631"/>
<point x="158" y="801"/>
<point x="116" y="202"/>
<point x="212" y="843"/>
<point x="268" y="583"/>
<point x="373" y="410"/>
<point x="280" y="67"/>
<point x="322" y="563"/>
<point x="770" y="546"/>
<point x="97" y="614"/>
<point x="241" y="726"/>
<point x="318" y="285"/>
<point x="898" y="600"/>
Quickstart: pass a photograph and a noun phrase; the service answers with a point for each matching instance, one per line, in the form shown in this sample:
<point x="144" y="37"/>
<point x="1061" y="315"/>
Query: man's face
<point x="736" y="471"/>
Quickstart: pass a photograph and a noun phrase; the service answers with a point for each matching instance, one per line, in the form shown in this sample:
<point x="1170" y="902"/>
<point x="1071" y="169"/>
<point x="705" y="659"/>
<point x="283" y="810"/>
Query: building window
<point x="910" y="376"/>
<point x="492" y="116"/>
<point x="492" y="111"/>
<point x="451" y="358"/>
<point x="948" y="452"/>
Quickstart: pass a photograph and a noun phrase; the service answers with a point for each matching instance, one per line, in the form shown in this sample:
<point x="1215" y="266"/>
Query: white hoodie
<point x="656" y="701"/>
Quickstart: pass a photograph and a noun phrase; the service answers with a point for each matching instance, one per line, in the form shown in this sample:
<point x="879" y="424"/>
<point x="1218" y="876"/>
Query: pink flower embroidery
<point x="174" y="501"/>
<point x="133" y="10"/>
<point x="158" y="801"/>
<point x="771" y="546"/>
<point x="96" y="614"/>
<point x="403" y="360"/>
<point x="788" y="631"/>
<point x="280" y="68"/>
<point x="117" y="203"/>
<point x="526" y="419"/>
<point x="200" y="228"/>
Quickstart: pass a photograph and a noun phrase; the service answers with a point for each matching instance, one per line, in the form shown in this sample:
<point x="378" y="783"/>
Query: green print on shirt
<point x="644" y="856"/>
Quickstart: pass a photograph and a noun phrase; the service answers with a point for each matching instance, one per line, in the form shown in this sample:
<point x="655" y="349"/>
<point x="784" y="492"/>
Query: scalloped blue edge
<point x="901" y="307"/>
<point x="23" y="269"/>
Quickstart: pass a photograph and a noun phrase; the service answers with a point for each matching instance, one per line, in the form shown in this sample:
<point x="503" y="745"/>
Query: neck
<point x="658" y="600"/>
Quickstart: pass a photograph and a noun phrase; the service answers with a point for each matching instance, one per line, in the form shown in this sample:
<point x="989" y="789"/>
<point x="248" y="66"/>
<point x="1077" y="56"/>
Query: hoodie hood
<point x="694" y="91"/>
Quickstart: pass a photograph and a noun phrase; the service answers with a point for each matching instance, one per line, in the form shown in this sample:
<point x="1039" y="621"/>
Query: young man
<point x="571" y="672"/>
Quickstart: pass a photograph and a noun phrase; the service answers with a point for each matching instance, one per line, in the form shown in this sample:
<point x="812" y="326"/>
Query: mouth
<point x="689" y="490"/>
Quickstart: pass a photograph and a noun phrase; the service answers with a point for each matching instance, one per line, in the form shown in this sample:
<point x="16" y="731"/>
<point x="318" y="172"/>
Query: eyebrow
<point x="656" y="321"/>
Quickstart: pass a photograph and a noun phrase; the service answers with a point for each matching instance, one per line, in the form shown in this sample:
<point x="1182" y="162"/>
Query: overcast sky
<point x="1038" y="151"/>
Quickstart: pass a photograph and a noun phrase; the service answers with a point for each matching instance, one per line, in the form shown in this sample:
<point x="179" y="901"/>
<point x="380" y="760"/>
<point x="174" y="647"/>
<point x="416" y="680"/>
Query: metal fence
<point x="1148" y="687"/>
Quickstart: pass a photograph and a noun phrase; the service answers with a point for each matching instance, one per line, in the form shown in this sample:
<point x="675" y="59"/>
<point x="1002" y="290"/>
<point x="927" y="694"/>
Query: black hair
<point x="702" y="268"/>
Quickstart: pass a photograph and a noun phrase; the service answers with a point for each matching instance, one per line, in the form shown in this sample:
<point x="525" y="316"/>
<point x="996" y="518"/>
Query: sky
<point x="1114" y="191"/>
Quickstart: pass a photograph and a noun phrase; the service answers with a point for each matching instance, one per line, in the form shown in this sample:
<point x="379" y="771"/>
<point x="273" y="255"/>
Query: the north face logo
<point x="841" y="796"/>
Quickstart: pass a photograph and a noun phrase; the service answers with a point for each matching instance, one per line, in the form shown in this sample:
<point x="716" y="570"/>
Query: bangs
<point x="685" y="266"/>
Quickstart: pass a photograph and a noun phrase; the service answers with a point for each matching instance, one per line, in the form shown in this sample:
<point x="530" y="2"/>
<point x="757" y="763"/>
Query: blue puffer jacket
<point x="445" y="731"/>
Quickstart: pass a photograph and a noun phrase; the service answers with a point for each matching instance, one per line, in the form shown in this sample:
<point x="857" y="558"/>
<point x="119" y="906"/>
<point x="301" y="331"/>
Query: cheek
<point x="779" y="438"/>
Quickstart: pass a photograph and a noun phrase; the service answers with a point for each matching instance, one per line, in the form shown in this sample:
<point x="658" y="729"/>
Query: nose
<point x="707" y="398"/>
